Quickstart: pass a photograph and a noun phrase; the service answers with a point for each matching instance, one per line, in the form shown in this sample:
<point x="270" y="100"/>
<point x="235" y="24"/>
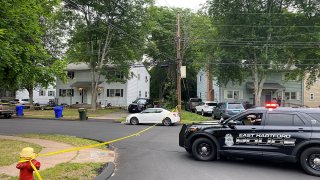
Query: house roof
<point x="78" y="66"/>
<point x="269" y="86"/>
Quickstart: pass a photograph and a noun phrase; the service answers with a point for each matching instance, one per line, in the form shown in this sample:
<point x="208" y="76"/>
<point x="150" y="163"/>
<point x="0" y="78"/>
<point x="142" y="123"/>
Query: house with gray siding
<point x="276" y="85"/>
<point x="78" y="88"/>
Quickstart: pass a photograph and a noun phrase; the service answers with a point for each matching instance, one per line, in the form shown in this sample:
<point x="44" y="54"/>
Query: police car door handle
<point x="300" y="129"/>
<point x="253" y="128"/>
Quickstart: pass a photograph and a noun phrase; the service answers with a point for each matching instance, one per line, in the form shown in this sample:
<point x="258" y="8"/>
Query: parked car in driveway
<point x="226" y="110"/>
<point x="140" y="104"/>
<point x="192" y="103"/>
<point x="206" y="107"/>
<point x="154" y="115"/>
<point x="21" y="101"/>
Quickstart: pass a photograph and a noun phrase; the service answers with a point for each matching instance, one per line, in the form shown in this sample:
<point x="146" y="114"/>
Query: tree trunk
<point x="259" y="80"/>
<point x="30" y="91"/>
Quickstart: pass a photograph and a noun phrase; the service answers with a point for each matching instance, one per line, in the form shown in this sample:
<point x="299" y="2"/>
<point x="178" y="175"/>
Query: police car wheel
<point x="134" y="121"/>
<point x="310" y="161"/>
<point x="203" y="149"/>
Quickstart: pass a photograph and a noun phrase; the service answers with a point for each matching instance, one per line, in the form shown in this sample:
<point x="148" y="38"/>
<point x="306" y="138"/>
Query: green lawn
<point x="68" y="171"/>
<point x="73" y="140"/>
<point x="67" y="113"/>
<point x="189" y="117"/>
<point x="10" y="149"/>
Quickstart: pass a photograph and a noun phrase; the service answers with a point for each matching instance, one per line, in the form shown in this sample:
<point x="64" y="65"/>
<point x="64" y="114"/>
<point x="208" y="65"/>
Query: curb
<point x="106" y="172"/>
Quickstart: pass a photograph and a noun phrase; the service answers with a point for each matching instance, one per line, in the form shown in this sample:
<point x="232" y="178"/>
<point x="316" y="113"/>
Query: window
<point x="311" y="96"/>
<point x="114" y="92"/>
<point x="51" y="93"/>
<point x="291" y="95"/>
<point x="200" y="78"/>
<point x="139" y="93"/>
<point x="42" y="92"/>
<point x="146" y="79"/>
<point x="280" y="120"/>
<point x="146" y="94"/>
<point x="233" y="95"/>
<point x="119" y="75"/>
<point x="290" y="77"/>
<point x="297" y="121"/>
<point x="70" y="74"/>
<point x="66" y="92"/>
<point x="249" y="119"/>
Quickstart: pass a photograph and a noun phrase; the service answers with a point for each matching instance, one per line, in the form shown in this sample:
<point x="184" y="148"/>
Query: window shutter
<point x="121" y="92"/>
<point x="241" y="94"/>
<point x="298" y="95"/>
<point x="225" y="94"/>
<point x="72" y="92"/>
<point x="108" y="93"/>
<point x="60" y="92"/>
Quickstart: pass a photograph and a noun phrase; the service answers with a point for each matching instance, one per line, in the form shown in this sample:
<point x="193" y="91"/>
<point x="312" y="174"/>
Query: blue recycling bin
<point x="19" y="110"/>
<point x="58" y="111"/>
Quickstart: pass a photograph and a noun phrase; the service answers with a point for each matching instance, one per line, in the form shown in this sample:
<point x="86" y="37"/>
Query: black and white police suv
<point x="273" y="133"/>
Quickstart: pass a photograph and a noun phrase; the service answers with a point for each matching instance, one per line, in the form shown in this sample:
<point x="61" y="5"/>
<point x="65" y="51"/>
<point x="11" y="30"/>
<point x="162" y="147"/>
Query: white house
<point x="40" y="95"/>
<point x="78" y="88"/>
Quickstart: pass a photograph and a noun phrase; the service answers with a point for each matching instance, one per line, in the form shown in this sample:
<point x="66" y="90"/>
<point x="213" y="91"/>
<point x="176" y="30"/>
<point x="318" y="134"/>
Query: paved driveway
<point x="155" y="155"/>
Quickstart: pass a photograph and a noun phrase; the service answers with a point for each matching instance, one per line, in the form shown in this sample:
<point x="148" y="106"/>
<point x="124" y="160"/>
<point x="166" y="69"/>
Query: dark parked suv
<point x="140" y="104"/>
<point x="192" y="103"/>
<point x="226" y="110"/>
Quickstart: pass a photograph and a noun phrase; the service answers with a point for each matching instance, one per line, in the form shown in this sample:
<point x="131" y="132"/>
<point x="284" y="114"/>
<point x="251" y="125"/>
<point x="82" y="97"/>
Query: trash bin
<point x="58" y="111"/>
<point x="82" y="114"/>
<point x="19" y="110"/>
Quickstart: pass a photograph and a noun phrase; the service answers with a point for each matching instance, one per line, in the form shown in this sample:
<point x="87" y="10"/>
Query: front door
<point x="241" y="139"/>
<point x="268" y="98"/>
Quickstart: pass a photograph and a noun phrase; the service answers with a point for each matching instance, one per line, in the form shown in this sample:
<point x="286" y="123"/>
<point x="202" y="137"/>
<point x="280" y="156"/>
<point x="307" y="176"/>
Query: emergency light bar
<point x="271" y="105"/>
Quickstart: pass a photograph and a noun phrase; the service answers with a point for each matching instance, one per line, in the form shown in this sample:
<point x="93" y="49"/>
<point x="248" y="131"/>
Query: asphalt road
<point x="155" y="155"/>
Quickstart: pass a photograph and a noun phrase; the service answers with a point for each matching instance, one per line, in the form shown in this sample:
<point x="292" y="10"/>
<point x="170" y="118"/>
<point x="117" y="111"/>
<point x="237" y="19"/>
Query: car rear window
<point x="235" y="106"/>
<point x="212" y="104"/>
<point x="195" y="100"/>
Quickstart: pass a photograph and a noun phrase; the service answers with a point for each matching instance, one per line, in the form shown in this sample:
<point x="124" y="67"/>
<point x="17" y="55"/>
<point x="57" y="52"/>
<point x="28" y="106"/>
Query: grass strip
<point x="10" y="149"/>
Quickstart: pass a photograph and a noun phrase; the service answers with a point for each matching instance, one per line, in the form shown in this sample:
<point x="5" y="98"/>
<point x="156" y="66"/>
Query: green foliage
<point x="259" y="33"/>
<point x="25" y="58"/>
<point x="9" y="151"/>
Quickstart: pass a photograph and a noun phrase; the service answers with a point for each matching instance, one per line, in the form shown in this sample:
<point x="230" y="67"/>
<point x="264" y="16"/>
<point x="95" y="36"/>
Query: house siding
<point x="130" y="88"/>
<point x="201" y="85"/>
<point x="24" y="94"/>
<point x="241" y="93"/>
<point x="315" y="90"/>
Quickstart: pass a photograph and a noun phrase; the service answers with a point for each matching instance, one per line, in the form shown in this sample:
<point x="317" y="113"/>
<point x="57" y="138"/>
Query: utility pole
<point x="178" y="63"/>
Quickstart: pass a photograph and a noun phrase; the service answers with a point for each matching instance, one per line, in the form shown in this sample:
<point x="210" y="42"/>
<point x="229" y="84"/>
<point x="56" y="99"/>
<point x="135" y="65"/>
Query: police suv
<point x="286" y="134"/>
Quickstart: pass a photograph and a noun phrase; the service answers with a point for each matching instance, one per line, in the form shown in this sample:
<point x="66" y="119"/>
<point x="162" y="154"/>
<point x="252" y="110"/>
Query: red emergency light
<point x="271" y="105"/>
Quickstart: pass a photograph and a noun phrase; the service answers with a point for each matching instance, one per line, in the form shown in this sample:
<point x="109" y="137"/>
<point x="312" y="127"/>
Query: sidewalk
<point x="82" y="156"/>
<point x="114" y="115"/>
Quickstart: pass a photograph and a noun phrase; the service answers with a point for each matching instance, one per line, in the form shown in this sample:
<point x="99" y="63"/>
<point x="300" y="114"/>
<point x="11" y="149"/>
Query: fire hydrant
<point x="27" y="156"/>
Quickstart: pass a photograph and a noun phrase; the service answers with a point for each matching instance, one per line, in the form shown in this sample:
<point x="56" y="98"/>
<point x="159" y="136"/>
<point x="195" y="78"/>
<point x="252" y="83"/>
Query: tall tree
<point x="25" y="61"/>
<point x="108" y="35"/>
<point x="255" y="38"/>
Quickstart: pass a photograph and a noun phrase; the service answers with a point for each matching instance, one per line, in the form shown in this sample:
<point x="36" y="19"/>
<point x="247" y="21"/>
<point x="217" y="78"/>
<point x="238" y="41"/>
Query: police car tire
<point x="201" y="142"/>
<point x="304" y="160"/>
<point x="134" y="121"/>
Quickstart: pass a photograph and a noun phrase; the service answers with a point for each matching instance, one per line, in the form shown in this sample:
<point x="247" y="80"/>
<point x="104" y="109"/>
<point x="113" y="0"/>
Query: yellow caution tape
<point x="89" y="146"/>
